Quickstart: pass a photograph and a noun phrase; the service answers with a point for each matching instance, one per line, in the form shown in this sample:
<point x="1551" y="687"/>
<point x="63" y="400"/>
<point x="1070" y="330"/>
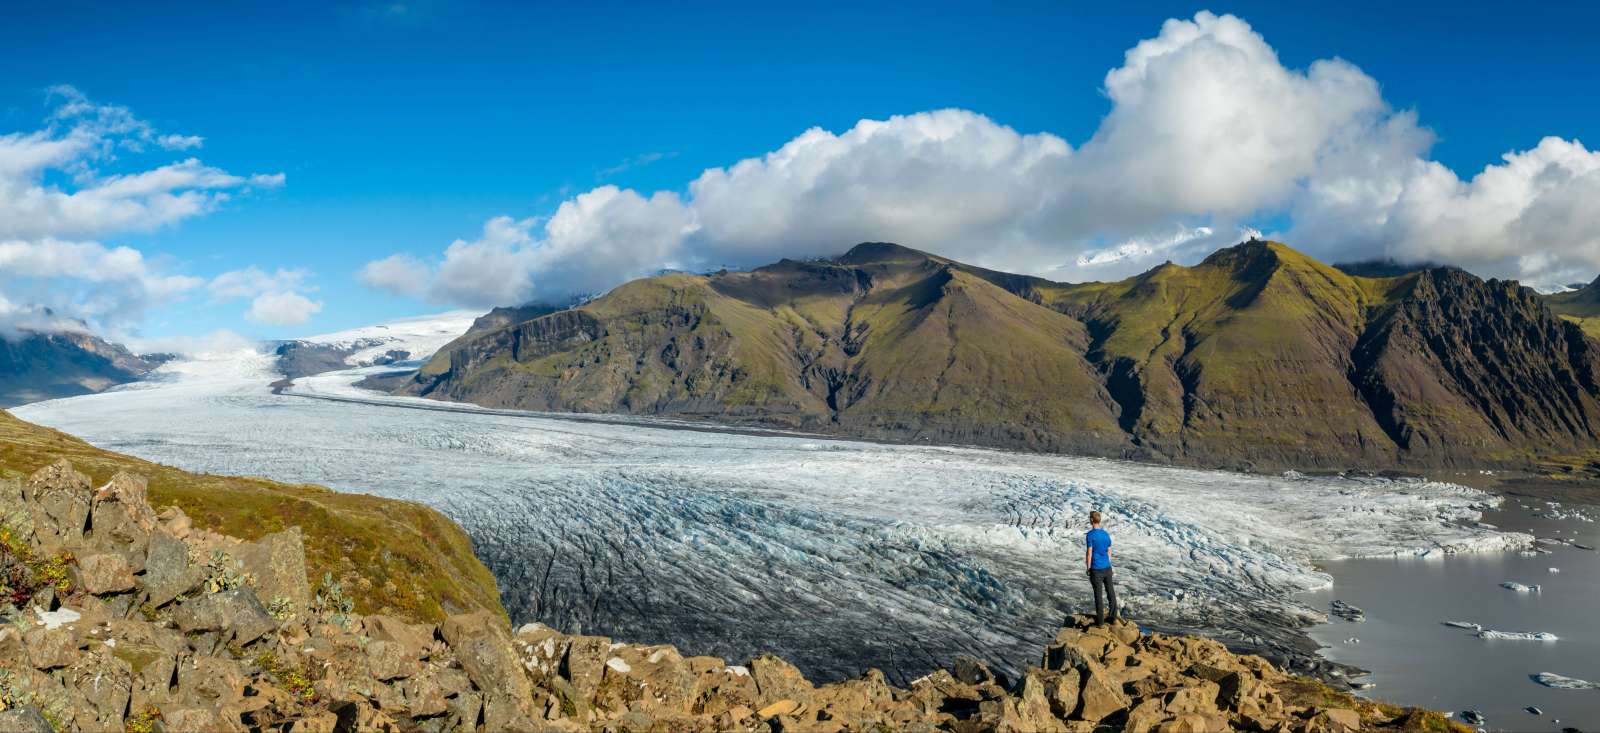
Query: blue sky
<point x="401" y="127"/>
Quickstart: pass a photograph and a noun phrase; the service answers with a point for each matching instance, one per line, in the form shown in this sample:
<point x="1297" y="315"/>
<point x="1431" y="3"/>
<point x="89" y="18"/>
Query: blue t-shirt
<point x="1100" y="543"/>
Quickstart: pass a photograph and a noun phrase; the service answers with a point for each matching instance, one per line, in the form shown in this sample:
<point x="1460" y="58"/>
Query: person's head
<point x="1094" y="519"/>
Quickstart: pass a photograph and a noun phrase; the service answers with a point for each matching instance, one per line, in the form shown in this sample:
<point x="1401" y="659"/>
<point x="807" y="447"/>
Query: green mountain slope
<point x="1259" y="357"/>
<point x="1581" y="306"/>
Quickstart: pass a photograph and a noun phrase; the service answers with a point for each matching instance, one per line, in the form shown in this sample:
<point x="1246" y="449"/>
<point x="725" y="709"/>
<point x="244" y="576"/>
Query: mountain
<point x="1258" y="358"/>
<point x="40" y="366"/>
<point x="1581" y="306"/>
<point x="403" y="339"/>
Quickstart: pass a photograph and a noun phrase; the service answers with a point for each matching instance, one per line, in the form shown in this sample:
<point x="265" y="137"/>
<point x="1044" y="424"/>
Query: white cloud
<point x="399" y="273"/>
<point x="1207" y="133"/>
<point x="275" y="297"/>
<point x="59" y="192"/>
<point x="591" y="243"/>
<point x="253" y="281"/>
<point x="282" y="309"/>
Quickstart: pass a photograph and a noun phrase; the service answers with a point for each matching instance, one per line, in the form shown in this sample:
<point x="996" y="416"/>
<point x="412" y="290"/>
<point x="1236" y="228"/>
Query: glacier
<point x="837" y="554"/>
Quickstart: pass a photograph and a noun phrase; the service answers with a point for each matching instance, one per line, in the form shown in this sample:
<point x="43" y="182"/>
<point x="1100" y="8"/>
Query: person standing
<point x="1098" y="559"/>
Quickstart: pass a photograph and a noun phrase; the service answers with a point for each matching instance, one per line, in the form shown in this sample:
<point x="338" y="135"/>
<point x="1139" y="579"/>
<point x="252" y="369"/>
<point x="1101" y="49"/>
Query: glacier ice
<point x="1518" y="635"/>
<point x="1563" y="682"/>
<point x="836" y="554"/>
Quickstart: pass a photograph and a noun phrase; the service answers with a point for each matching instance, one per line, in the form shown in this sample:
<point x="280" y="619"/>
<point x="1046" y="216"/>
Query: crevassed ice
<point x="836" y="554"/>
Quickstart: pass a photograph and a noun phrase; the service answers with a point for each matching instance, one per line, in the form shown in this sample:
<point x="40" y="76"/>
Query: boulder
<point x="105" y="683"/>
<point x="278" y="563"/>
<point x="236" y="615"/>
<point x="482" y="644"/>
<point x="1193" y="723"/>
<point x="777" y="680"/>
<point x="1200" y="697"/>
<point x="104" y="572"/>
<point x="1074" y="648"/>
<point x="26" y="719"/>
<point x="1334" y="720"/>
<point x="1101" y="696"/>
<point x="417" y="637"/>
<point x="1034" y="710"/>
<point x="58" y="499"/>
<point x="122" y="520"/>
<point x="1145" y="716"/>
<point x="1063" y="693"/>
<point x="168" y="572"/>
<point x="585" y="663"/>
<point x="52" y="648"/>
<point x="391" y="660"/>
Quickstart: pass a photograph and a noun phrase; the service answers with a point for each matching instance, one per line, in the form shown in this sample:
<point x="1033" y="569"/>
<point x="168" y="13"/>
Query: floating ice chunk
<point x="1464" y="625"/>
<point x="1563" y="682"/>
<point x="1352" y="640"/>
<point x="1518" y="635"/>
<point x="1520" y="588"/>
<point x="1555" y="570"/>
<point x="1347" y="612"/>
<point x="55" y="619"/>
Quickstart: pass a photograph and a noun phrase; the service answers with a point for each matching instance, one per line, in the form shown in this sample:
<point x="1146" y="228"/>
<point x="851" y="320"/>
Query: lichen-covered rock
<point x="237" y="614"/>
<point x="103" y="573"/>
<point x="277" y="562"/>
<point x="58" y="498"/>
<point x="122" y="519"/>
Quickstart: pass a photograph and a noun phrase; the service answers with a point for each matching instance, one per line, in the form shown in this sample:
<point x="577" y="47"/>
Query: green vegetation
<point x="1258" y="358"/>
<point x="405" y="559"/>
<point x="25" y="573"/>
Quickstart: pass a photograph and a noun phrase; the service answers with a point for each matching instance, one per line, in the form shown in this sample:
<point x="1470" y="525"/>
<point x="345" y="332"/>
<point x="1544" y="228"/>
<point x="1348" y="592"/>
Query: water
<point x="1419" y="661"/>
<point x="838" y="555"/>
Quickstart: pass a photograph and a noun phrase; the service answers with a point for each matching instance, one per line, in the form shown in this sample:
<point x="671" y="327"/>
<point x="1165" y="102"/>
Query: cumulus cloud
<point x="1208" y="132"/>
<point x="275" y="298"/>
<point x="282" y="309"/>
<point x="399" y="273"/>
<point x="64" y="186"/>
<point x="591" y="243"/>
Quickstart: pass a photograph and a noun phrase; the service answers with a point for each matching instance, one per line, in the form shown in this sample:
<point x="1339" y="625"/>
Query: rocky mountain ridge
<point x="123" y="618"/>
<point x="1258" y="358"/>
<point x="37" y="365"/>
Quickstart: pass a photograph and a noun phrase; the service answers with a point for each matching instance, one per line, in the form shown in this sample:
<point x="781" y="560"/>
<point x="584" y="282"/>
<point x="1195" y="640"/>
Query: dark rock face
<point x="1463" y="370"/>
<point x="42" y="366"/>
<point x="1259" y="358"/>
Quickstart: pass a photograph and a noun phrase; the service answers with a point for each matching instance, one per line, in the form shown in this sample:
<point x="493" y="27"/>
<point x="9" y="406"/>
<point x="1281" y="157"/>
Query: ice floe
<point x="1518" y="635"/>
<point x="1519" y="587"/>
<point x="1562" y="682"/>
<point x="1464" y="625"/>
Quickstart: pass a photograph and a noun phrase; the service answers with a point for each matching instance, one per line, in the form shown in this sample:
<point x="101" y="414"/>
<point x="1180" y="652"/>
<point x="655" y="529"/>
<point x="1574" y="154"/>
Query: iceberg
<point x="1518" y="635"/>
<point x="1520" y="588"/>
<point x="1464" y="625"/>
<point x="1562" y="682"/>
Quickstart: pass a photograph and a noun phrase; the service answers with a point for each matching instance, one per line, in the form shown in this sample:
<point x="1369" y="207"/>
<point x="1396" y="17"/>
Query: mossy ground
<point x="392" y="556"/>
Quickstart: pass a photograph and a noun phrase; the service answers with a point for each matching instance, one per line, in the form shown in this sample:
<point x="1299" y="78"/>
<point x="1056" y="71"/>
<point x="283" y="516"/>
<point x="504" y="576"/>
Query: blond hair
<point x="1094" y="517"/>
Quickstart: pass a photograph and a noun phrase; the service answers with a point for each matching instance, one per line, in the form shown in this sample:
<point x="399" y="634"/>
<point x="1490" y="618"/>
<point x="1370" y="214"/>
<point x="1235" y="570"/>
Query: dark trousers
<point x="1101" y="580"/>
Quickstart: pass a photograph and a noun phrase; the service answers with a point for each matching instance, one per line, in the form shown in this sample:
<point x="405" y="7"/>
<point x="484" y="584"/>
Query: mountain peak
<point x="875" y="252"/>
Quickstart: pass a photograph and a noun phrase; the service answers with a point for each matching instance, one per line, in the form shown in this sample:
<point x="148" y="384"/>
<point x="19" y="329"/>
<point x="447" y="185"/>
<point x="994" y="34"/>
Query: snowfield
<point x="836" y="554"/>
<point x="419" y="337"/>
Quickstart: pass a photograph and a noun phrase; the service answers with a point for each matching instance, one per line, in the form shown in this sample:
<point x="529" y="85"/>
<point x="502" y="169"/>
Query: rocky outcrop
<point x="120" y="618"/>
